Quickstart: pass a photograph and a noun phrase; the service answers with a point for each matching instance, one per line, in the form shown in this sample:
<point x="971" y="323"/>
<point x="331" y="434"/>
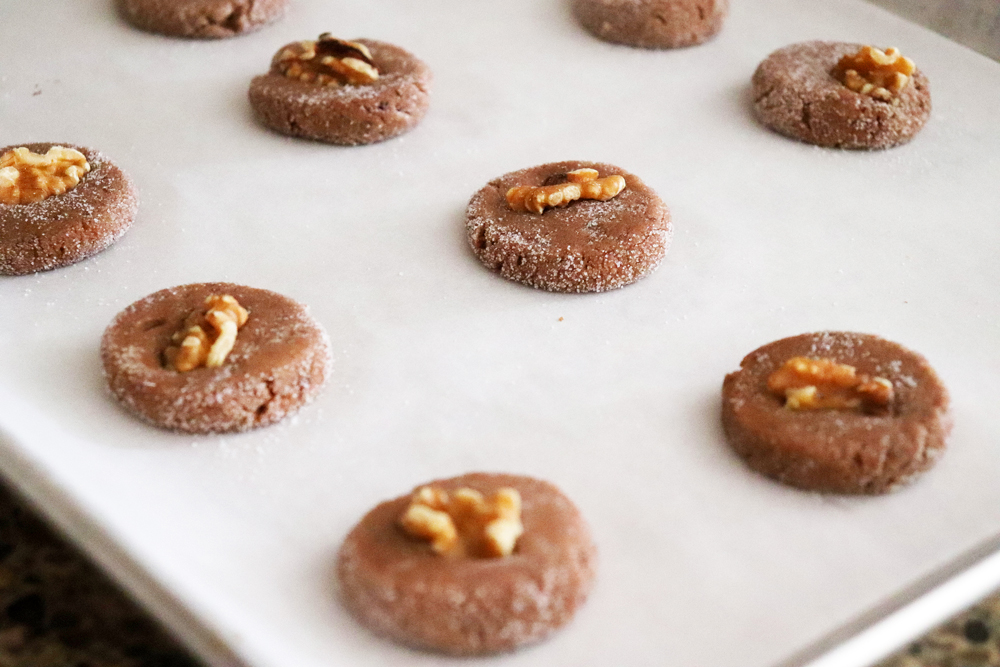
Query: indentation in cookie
<point x="797" y="93"/>
<point x="846" y="449"/>
<point x="348" y="112"/>
<point x="588" y="246"/>
<point x="400" y="587"/>
<point x="67" y="224"/>
<point x="278" y="362"/>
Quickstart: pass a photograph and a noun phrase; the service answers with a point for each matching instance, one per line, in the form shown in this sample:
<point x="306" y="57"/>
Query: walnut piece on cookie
<point x="342" y="92"/>
<point x="580" y="184"/>
<point x="596" y="244"/>
<point x="26" y="177"/>
<point x="881" y="75"/>
<point x="465" y="523"/>
<point x="470" y="565"/>
<point x="328" y="61"/>
<point x="805" y="91"/>
<point x="192" y="346"/>
<point x="824" y="384"/>
<point x="59" y="204"/>
<point x="278" y="362"/>
<point x="870" y="415"/>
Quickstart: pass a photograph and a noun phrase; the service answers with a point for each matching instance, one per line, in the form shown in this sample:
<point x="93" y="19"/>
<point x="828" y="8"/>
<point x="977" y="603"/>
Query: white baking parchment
<point x="442" y="367"/>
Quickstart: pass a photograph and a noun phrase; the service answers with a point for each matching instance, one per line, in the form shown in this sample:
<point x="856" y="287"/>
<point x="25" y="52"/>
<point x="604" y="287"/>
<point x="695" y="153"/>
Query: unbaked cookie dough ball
<point x="841" y="95"/>
<point x="59" y="204"/>
<point x="836" y="412"/>
<point x="342" y="92"/>
<point x="653" y="24"/>
<point x="469" y="565"/>
<point x="210" y="19"/>
<point x="215" y="357"/>
<point x="567" y="241"/>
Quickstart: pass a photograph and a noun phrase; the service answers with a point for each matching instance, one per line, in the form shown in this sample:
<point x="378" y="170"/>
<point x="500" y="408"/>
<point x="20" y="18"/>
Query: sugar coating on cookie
<point x="796" y="93"/>
<point x="587" y="246"/>
<point x="653" y="24"/>
<point x="280" y="361"/>
<point x="860" y="450"/>
<point x="204" y="19"/>
<point x="350" y="114"/>
<point x="399" y="587"/>
<point x="65" y="228"/>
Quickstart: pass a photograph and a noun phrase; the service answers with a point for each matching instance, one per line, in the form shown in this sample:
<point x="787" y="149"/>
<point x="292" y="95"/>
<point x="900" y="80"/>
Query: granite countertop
<point x="58" y="610"/>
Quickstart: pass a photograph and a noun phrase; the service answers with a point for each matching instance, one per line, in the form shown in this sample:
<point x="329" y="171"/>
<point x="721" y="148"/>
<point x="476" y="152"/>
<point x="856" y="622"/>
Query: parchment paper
<point x="442" y="367"/>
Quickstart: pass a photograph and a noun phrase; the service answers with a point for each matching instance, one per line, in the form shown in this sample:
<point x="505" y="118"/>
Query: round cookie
<point x="398" y="587"/>
<point x="66" y="228"/>
<point x="652" y="24"/>
<point x="795" y="94"/>
<point x="838" y="451"/>
<point x="588" y="246"/>
<point x="348" y="114"/>
<point x="279" y="363"/>
<point x="205" y="19"/>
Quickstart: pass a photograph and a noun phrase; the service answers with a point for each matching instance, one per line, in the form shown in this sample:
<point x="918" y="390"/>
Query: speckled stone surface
<point x="59" y="610"/>
<point x="971" y="639"/>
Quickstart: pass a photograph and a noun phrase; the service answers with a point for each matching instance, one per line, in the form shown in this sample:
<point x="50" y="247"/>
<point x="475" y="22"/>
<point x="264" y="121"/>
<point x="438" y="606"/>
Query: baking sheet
<point x="442" y="367"/>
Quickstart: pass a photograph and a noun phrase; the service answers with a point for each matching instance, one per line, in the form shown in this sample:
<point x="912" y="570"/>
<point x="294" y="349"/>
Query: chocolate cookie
<point x="653" y="24"/>
<point x="866" y="449"/>
<point x="796" y="94"/>
<point x="62" y="229"/>
<point x="400" y="587"/>
<point x="294" y="100"/>
<point x="587" y="246"/>
<point x="207" y="19"/>
<point x="280" y="361"/>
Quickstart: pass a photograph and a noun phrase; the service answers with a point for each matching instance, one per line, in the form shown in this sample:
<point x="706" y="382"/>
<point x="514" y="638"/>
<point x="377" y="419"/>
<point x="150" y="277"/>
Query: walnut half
<point x="328" y="61"/>
<point x="872" y="72"/>
<point x="463" y="522"/>
<point x="580" y="184"/>
<point x="193" y="346"/>
<point x="26" y="177"/>
<point x="815" y="384"/>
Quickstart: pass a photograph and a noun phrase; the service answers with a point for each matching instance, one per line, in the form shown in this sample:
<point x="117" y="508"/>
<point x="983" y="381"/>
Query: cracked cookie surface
<point x="796" y="94"/>
<point x="204" y="19"/>
<point x="279" y="363"/>
<point x="348" y="114"/>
